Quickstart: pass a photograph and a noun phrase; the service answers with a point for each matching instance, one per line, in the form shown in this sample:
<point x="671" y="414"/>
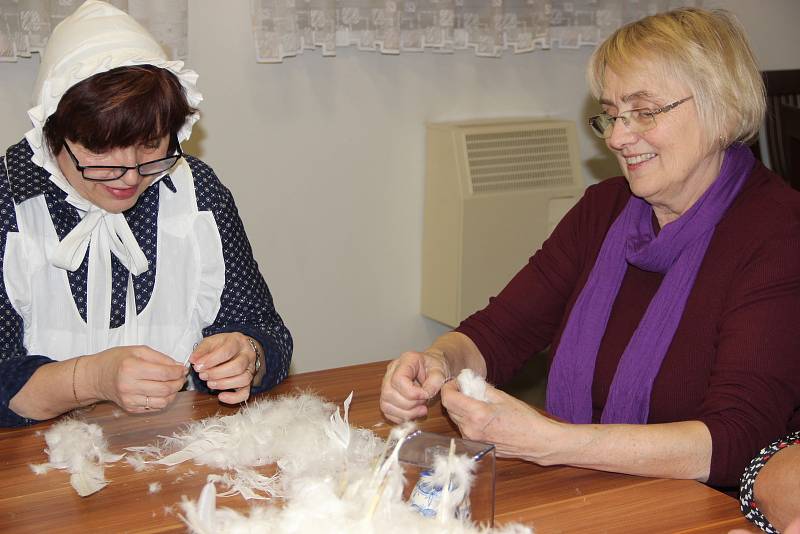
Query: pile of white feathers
<point x="330" y="476"/>
<point x="81" y="449"/>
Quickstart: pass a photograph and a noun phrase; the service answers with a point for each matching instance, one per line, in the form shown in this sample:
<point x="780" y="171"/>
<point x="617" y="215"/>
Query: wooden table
<point x="551" y="499"/>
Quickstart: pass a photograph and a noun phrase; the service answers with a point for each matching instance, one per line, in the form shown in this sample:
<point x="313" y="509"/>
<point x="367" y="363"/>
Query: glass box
<point x="417" y="458"/>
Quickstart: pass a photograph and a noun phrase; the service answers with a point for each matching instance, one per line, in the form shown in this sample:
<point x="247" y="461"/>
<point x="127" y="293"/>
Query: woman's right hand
<point x="410" y="381"/>
<point x="137" y="378"/>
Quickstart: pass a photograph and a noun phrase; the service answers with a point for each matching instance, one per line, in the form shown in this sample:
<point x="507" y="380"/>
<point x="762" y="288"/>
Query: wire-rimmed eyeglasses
<point x="108" y="173"/>
<point x="637" y="120"/>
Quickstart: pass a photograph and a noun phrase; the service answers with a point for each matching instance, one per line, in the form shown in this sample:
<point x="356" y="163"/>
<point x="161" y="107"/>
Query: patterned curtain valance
<point x="25" y="25"/>
<point x="283" y="28"/>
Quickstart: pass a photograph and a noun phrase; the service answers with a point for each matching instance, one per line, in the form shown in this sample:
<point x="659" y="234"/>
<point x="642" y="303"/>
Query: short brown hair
<point x="118" y="108"/>
<point x="706" y="50"/>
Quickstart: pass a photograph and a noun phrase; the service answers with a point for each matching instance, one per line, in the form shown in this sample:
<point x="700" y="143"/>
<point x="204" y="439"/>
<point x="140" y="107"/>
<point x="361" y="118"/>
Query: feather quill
<point x="339" y="428"/>
<point x="454" y="474"/>
<point x="207" y="504"/>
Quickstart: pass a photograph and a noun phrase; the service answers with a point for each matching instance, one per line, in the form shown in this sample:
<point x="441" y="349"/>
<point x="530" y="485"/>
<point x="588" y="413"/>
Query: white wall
<point x="326" y="159"/>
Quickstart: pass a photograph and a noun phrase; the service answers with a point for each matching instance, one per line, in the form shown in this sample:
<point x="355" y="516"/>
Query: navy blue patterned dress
<point x="246" y="304"/>
<point x="747" y="502"/>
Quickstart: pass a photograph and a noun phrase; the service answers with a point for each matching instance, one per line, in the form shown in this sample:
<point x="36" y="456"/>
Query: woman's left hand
<point x="516" y="428"/>
<point x="227" y="362"/>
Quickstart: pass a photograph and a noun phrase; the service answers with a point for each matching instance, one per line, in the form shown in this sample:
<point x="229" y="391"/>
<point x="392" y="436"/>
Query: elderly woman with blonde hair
<point x="669" y="296"/>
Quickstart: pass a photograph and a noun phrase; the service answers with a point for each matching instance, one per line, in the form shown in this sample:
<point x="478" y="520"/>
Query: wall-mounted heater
<point x="494" y="191"/>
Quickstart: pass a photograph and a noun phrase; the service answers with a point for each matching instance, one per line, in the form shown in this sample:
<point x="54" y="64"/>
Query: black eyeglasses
<point x="105" y="173"/>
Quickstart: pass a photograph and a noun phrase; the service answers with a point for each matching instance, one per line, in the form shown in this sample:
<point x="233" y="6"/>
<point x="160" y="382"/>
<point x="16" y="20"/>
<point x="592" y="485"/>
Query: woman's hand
<point x="227" y="361"/>
<point x="136" y="378"/>
<point x="410" y="381"/>
<point x="667" y="450"/>
<point x="516" y="428"/>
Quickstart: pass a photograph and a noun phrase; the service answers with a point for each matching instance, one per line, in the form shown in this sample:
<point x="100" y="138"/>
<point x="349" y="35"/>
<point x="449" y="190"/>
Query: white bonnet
<point x="96" y="38"/>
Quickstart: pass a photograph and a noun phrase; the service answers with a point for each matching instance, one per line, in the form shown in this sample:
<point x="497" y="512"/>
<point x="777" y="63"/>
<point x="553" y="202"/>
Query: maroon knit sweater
<point x="734" y="362"/>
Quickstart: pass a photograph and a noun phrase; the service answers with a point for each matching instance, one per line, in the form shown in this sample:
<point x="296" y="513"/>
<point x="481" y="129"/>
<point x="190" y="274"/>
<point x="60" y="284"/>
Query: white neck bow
<point x="102" y="233"/>
<point x="99" y="227"/>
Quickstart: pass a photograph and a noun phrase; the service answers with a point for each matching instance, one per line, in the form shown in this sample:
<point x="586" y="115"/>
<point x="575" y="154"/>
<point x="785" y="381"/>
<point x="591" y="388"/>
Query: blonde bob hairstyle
<point x="705" y="50"/>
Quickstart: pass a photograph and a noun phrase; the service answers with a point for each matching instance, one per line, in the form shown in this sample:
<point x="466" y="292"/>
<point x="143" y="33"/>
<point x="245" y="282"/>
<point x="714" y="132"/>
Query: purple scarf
<point x="678" y="251"/>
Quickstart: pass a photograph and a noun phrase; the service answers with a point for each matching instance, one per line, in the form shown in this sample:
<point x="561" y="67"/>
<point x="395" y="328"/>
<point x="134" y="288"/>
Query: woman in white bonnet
<point x="122" y="258"/>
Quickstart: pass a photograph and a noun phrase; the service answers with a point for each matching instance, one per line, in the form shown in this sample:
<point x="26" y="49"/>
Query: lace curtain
<point x="25" y="25"/>
<point x="283" y="28"/>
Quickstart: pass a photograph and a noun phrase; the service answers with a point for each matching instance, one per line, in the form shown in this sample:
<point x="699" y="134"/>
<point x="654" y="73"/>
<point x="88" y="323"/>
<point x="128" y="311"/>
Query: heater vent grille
<point x="519" y="160"/>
